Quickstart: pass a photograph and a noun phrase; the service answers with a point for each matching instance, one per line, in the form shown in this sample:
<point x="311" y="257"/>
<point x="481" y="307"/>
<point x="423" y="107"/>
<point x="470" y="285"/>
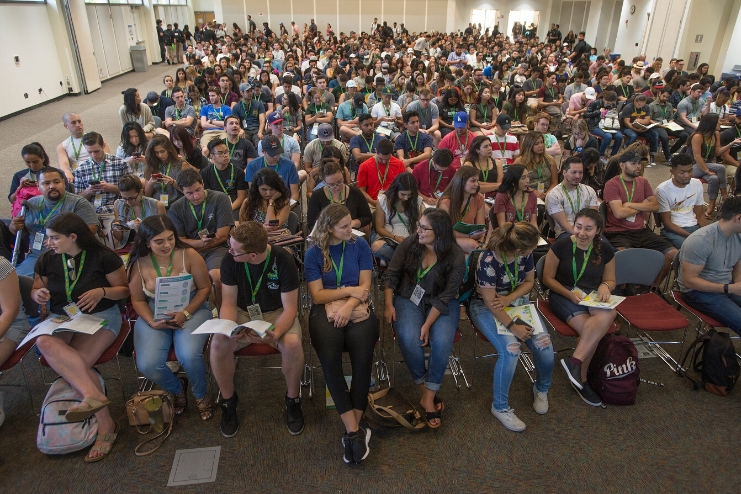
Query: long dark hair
<point x="68" y="223"/>
<point x="36" y="149"/>
<point x="707" y="126"/>
<point x="597" y="240"/>
<point x="511" y="180"/>
<point x="402" y="183"/>
<point x="473" y="154"/>
<point x="293" y="103"/>
<point x="455" y="191"/>
<point x="442" y="226"/>
<point x="521" y="109"/>
<point x="126" y="145"/>
<point x="153" y="163"/>
<point x="149" y="228"/>
<point x="186" y="141"/>
<point x="129" y="99"/>
<point x="452" y="93"/>
<point x="264" y="176"/>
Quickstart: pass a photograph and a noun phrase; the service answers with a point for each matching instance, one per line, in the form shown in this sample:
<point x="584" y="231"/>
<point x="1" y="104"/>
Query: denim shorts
<point x="564" y="308"/>
<point x="18" y="329"/>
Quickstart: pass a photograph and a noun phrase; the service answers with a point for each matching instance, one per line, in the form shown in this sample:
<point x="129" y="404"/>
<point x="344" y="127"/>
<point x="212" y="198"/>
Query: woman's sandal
<point x="439" y="401"/>
<point x="88" y="408"/>
<point x="105" y="448"/>
<point x="180" y="401"/>
<point x="432" y="416"/>
<point x="205" y="407"/>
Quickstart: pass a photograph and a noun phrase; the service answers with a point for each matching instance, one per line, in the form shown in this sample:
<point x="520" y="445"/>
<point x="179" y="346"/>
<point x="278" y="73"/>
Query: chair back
<point x="29" y="305"/>
<point x="293" y="222"/>
<point x="157" y="122"/>
<point x="603" y="211"/>
<point x="539" y="269"/>
<point x="638" y="266"/>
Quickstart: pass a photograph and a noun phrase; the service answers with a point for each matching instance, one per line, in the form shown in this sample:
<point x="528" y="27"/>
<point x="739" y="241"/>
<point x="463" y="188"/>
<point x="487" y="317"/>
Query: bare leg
<point x="292" y="357"/>
<point x="222" y="363"/>
<point x="591" y="329"/>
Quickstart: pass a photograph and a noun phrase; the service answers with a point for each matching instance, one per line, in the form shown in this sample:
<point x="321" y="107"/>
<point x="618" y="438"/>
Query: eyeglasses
<point x="130" y="199"/>
<point x="221" y="153"/>
<point x="423" y="228"/>
<point x="335" y="185"/>
<point x="240" y="254"/>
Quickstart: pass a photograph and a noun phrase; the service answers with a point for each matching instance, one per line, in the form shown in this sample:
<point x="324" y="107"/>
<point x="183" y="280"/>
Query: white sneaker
<point x="540" y="402"/>
<point x="509" y="419"/>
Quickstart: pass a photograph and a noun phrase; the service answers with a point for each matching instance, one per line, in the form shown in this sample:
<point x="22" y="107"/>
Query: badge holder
<point x="255" y="312"/>
<point x="417" y="295"/>
<point x="164" y="199"/>
<point x="203" y="233"/>
<point x="98" y="202"/>
<point x="71" y="310"/>
<point x="38" y="241"/>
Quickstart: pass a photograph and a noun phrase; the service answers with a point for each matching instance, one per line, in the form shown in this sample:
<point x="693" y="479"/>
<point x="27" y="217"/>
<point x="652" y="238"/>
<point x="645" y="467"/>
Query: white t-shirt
<point x="379" y="111"/>
<point x="680" y="201"/>
<point x="556" y="202"/>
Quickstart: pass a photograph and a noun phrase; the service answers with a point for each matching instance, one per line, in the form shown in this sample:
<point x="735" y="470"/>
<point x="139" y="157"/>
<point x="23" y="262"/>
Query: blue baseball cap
<point x="460" y="120"/>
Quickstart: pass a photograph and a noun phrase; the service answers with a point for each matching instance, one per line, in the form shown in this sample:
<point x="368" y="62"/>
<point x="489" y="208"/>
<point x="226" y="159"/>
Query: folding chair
<point x="17" y="358"/>
<point x="648" y="311"/>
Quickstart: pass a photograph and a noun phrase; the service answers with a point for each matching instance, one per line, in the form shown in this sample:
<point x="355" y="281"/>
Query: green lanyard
<point x="231" y="148"/>
<point x="401" y="218"/>
<point x="67" y="287"/>
<point x="387" y="111"/>
<point x="461" y="147"/>
<point x="331" y="197"/>
<point x="625" y="91"/>
<point x="338" y="271"/>
<point x="133" y="213"/>
<point x="515" y="115"/>
<point x="421" y="274"/>
<point x="485" y="173"/>
<point x="157" y="266"/>
<point x="496" y="102"/>
<point x="663" y="111"/>
<point x="695" y="106"/>
<point x="76" y="150"/>
<point x="583" y="264"/>
<point x="413" y="144"/>
<point x="629" y="197"/>
<point x="539" y="170"/>
<point x="520" y="213"/>
<point x="468" y="206"/>
<point x="203" y="211"/>
<point x="512" y="280"/>
<point x="370" y="146"/>
<point x="553" y="93"/>
<point x="43" y="219"/>
<point x="578" y="198"/>
<point x="101" y="169"/>
<point x="502" y="149"/>
<point x="178" y="113"/>
<point x="231" y="179"/>
<point x="424" y="113"/>
<point x="429" y="175"/>
<point x="708" y="146"/>
<point x="163" y="185"/>
<point x="246" y="110"/>
<point x="483" y="110"/>
<point x="385" y="173"/>
<point x="254" y="290"/>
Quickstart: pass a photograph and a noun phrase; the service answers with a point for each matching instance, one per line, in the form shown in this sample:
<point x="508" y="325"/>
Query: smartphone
<point x="94" y="182"/>
<point x="211" y="235"/>
<point x="119" y="226"/>
<point x="520" y="322"/>
<point x="157" y="176"/>
<point x="273" y="223"/>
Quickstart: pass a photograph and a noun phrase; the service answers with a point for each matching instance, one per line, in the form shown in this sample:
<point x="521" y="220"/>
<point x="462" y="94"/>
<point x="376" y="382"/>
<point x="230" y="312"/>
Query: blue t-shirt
<point x="347" y="111"/>
<point x="412" y="146"/>
<point x="249" y="114"/>
<point x="491" y="273"/>
<point x="212" y="112"/>
<point x="362" y="144"/>
<point x="285" y="168"/>
<point x="358" y="258"/>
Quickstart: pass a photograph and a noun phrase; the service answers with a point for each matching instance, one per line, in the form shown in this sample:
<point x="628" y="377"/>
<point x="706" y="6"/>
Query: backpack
<point x="613" y="372"/>
<point x="468" y="285"/>
<point x="719" y="367"/>
<point x="56" y="436"/>
<point x="610" y="120"/>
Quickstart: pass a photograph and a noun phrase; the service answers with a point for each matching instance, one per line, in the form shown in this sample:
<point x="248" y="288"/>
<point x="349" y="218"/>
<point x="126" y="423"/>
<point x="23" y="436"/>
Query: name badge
<point x="579" y="292"/>
<point x="98" y="202"/>
<point x="664" y="122"/>
<point x="424" y="126"/>
<point x="438" y="194"/>
<point x="71" y="309"/>
<point x="315" y="129"/>
<point x="417" y="295"/>
<point x="631" y="219"/>
<point x="541" y="187"/>
<point x="254" y="312"/>
<point x="203" y="232"/>
<point x="693" y="119"/>
<point x="38" y="241"/>
<point x="164" y="199"/>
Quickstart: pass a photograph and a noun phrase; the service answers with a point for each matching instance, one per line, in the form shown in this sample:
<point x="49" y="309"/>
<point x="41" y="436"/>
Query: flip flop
<point x="439" y="401"/>
<point x="108" y="440"/>
<point x="432" y="416"/>
<point x="88" y="407"/>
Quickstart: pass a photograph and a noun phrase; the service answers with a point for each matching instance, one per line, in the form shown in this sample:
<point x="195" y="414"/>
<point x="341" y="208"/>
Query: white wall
<point x="202" y="5"/>
<point x="630" y="34"/>
<point x="710" y="19"/>
<point x="728" y="56"/>
<point x="464" y="7"/>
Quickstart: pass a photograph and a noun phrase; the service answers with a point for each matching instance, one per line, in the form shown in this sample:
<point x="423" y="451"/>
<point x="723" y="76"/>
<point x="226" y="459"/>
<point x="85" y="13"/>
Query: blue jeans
<point x="508" y="351"/>
<point x="725" y="308"/>
<point x="409" y="320"/>
<point x="607" y="137"/>
<point x="678" y="240"/>
<point x="153" y="345"/>
<point x="26" y="267"/>
<point x="653" y="138"/>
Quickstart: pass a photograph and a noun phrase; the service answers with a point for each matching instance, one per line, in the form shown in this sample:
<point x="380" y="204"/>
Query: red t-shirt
<point x="370" y="170"/>
<point x="503" y="204"/>
<point x="458" y="146"/>
<point x="614" y="190"/>
<point x="427" y="178"/>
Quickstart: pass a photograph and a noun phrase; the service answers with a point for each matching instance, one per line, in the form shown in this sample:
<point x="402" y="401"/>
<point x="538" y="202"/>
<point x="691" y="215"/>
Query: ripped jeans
<point x="509" y="349"/>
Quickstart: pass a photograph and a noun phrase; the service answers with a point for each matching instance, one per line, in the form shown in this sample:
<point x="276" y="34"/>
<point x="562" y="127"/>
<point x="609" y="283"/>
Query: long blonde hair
<point x="329" y="217"/>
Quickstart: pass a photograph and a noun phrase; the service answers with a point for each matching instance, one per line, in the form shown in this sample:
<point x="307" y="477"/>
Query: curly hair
<point x="329" y="217"/>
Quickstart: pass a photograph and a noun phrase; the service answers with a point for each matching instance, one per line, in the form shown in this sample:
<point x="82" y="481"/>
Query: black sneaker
<point x="294" y="416"/>
<point x="573" y="372"/>
<point x="347" y="444"/>
<point x="589" y="396"/>
<point x="229" y="419"/>
<point x="360" y="447"/>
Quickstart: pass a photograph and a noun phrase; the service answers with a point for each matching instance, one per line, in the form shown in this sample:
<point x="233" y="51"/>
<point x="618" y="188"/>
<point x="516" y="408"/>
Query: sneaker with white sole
<point x="590" y="396"/>
<point x="573" y="372"/>
<point x="540" y="401"/>
<point x="360" y="440"/>
<point x="509" y="419"/>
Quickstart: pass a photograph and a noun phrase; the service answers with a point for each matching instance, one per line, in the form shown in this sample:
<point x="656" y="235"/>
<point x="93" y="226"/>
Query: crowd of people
<point x="414" y="152"/>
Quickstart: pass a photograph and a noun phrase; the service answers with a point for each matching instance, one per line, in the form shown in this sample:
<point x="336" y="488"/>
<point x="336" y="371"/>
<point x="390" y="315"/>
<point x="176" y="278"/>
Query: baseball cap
<point x="655" y="75"/>
<point x="245" y="86"/>
<point x="386" y="90"/>
<point x="410" y="50"/>
<point x="324" y="131"/>
<point x="460" y="120"/>
<point x="590" y="93"/>
<point x="504" y="121"/>
<point x="275" y="117"/>
<point x="630" y="156"/>
<point x="153" y="97"/>
<point x="271" y="146"/>
<point x="358" y="99"/>
<point x="351" y="83"/>
<point x="384" y="66"/>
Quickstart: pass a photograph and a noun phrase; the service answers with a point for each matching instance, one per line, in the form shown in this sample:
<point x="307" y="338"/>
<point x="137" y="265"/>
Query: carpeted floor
<point x="673" y="440"/>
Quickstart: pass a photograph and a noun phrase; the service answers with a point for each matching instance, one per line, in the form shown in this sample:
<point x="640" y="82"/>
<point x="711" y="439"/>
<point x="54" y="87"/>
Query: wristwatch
<point x="725" y="288"/>
<point x="186" y="314"/>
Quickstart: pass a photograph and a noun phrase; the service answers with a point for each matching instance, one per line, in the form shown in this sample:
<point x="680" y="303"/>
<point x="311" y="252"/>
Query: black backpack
<point x="718" y="367"/>
<point x="613" y="372"/>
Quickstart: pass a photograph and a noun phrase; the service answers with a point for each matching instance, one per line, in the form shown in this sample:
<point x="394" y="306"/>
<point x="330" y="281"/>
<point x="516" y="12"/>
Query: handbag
<point x="361" y="312"/>
<point x="389" y="408"/>
<point x="138" y="416"/>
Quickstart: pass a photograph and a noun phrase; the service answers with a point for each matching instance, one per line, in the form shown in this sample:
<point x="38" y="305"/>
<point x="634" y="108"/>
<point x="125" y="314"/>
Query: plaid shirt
<point x="113" y="169"/>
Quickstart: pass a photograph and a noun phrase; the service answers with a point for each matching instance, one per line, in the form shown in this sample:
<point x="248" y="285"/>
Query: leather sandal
<point x="108" y="440"/>
<point x="88" y="407"/>
<point x="439" y="401"/>
<point x="180" y="401"/>
<point x="205" y="407"/>
<point x="432" y="416"/>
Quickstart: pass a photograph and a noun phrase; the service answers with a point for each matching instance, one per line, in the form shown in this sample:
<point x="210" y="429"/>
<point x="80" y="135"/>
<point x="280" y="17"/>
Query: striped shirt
<point x="505" y="149"/>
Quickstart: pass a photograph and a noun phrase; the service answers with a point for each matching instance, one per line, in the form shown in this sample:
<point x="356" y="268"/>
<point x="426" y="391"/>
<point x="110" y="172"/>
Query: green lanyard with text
<point x="413" y="144"/>
<point x="164" y="185"/>
<point x="67" y="287"/>
<point x="429" y="175"/>
<point x="254" y="290"/>
<point x="101" y="169"/>
<point x="512" y="280"/>
<point x="370" y="146"/>
<point x="157" y="266"/>
<point x="629" y="197"/>
<point x="385" y="173"/>
<point x="583" y="264"/>
<point x="76" y="150"/>
<point x="231" y="179"/>
<point x="331" y="197"/>
<point x="520" y="213"/>
<point x="578" y="198"/>
<point x="203" y="211"/>
<point x="42" y="218"/>
<point x="421" y="274"/>
<point x="338" y="271"/>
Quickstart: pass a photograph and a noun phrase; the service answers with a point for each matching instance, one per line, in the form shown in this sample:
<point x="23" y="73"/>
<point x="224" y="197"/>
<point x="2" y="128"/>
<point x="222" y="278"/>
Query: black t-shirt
<point x="281" y="276"/>
<point x="232" y="179"/>
<point x="727" y="137"/>
<point x="242" y="150"/>
<point x="98" y="264"/>
<point x="592" y="276"/>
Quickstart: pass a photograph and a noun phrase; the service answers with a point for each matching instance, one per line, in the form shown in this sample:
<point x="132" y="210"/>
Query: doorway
<point x="204" y="18"/>
<point x="524" y="18"/>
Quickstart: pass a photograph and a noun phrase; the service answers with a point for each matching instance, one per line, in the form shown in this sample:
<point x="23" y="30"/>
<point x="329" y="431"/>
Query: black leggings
<point x="358" y="340"/>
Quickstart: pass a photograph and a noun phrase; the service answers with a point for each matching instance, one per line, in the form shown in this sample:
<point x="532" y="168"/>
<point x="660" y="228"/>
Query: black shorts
<point x="639" y="239"/>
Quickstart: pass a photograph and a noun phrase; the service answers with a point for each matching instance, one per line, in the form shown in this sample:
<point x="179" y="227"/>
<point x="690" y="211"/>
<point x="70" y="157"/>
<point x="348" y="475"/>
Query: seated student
<point x="516" y="106"/>
<point x="25" y="183"/>
<point x="159" y="250"/>
<point x="552" y="147"/>
<point x="163" y="170"/>
<point x="570" y="197"/>
<point x="205" y="231"/>
<point x="594" y="169"/>
<point x="349" y="112"/>
<point x="386" y="113"/>
<point x="364" y="145"/>
<point x="541" y="167"/>
<point x="318" y="112"/>
<point x="505" y="146"/>
<point x="730" y="157"/>
<point x="490" y="170"/>
<point x="574" y="267"/>
<point x="250" y="257"/>
<point x="371" y="179"/>
<point x="180" y="115"/>
<point x="338" y="270"/>
<point x="212" y="117"/>
<point x="241" y="150"/>
<point x="13" y="322"/>
<point x="291" y="147"/>
<point x="633" y="119"/>
<point x="429" y="115"/>
<point x="579" y="140"/>
<point x="680" y="202"/>
<point x="603" y="110"/>
<point x="448" y="105"/>
<point x="96" y="179"/>
<point x="53" y="201"/>
<point x="550" y="98"/>
<point x="251" y="112"/>
<point x="505" y="277"/>
<point x="432" y="261"/>
<point x="433" y="176"/>
<point x="630" y="199"/>
<point x="412" y="146"/>
<point x="80" y="275"/>
<point x="267" y="201"/>
<point x="662" y="113"/>
<point x="515" y="201"/>
<point x="132" y="208"/>
<point x="187" y="149"/>
<point x="708" y="273"/>
<point x="459" y="141"/>
<point x="623" y="89"/>
<point x="483" y="112"/>
<point x="71" y="151"/>
<point x="579" y="101"/>
<point x="465" y="204"/>
<point x="396" y="216"/>
<point x="225" y="176"/>
<point x="325" y="138"/>
<point x="273" y="159"/>
<point x="315" y="181"/>
<point x="132" y="148"/>
<point x="133" y="110"/>
<point x="335" y="191"/>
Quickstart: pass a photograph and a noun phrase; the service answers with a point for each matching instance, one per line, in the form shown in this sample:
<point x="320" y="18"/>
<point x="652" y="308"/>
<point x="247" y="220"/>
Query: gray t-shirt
<point x="556" y="201"/>
<point x="426" y="116"/>
<point x="216" y="214"/>
<point x="72" y="203"/>
<point x="187" y="111"/>
<point x="691" y="109"/>
<point x="718" y="254"/>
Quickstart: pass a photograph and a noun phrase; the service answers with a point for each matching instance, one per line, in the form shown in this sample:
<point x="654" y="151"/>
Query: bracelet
<point x="511" y="323"/>
<point x="725" y="288"/>
<point x="103" y="291"/>
<point x="606" y="284"/>
<point x="150" y="322"/>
